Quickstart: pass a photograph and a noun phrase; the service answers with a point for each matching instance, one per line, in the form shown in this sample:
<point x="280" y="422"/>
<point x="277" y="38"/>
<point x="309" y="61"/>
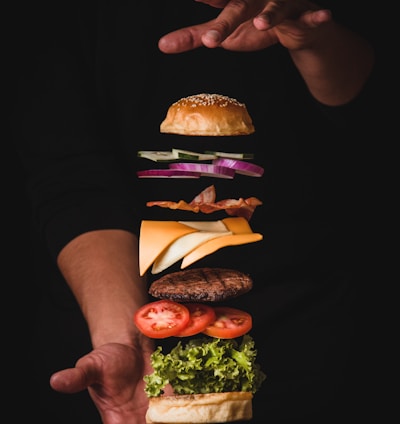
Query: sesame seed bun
<point x="207" y="115"/>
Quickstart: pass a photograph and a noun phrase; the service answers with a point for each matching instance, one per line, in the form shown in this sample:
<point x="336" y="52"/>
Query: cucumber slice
<point x="157" y="156"/>
<point x="187" y="154"/>
<point x="231" y="155"/>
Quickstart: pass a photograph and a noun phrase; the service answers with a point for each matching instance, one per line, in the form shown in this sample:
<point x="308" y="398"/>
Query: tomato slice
<point x="162" y="318"/>
<point x="201" y="315"/>
<point x="229" y="323"/>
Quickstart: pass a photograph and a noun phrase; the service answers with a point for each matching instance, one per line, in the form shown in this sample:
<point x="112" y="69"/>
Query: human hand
<point x="113" y="374"/>
<point x="251" y="25"/>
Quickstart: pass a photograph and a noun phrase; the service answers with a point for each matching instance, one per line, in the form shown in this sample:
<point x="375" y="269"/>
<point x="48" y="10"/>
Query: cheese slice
<point x="163" y="243"/>
<point x="238" y="225"/>
<point x="241" y="234"/>
<point x="155" y="236"/>
<point x="181" y="247"/>
<point x="212" y="226"/>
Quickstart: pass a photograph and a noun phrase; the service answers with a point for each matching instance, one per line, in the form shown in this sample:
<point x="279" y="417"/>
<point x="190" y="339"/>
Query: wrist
<point x="113" y="329"/>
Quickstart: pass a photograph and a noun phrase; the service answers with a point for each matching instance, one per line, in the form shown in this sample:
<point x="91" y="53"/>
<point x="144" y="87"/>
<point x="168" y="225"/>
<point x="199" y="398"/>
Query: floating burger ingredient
<point x="163" y="243"/>
<point x="205" y="202"/>
<point x="208" y="115"/>
<point x="214" y="375"/>
<point x="201" y="285"/>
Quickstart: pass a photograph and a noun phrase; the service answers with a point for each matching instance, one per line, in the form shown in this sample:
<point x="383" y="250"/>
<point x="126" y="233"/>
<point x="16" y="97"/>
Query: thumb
<point x="70" y="380"/>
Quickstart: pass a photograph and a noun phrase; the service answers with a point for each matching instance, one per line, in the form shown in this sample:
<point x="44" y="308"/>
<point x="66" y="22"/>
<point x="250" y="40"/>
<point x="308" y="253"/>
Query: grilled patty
<point x="201" y="285"/>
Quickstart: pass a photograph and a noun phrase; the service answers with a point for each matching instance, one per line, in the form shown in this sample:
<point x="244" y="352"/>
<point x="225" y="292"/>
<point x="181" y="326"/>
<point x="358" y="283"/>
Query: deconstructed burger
<point x="212" y="371"/>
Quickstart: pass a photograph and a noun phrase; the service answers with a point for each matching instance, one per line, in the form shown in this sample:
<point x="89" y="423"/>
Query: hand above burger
<point x="252" y="25"/>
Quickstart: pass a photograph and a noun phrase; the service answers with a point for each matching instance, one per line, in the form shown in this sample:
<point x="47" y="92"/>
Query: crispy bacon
<point x="205" y="202"/>
<point x="208" y="195"/>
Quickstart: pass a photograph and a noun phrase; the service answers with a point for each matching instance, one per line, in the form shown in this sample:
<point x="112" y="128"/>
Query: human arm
<point x="101" y="269"/>
<point x="84" y="215"/>
<point x="334" y="61"/>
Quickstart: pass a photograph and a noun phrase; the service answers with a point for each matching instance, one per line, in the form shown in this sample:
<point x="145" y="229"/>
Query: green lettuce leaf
<point x="206" y="365"/>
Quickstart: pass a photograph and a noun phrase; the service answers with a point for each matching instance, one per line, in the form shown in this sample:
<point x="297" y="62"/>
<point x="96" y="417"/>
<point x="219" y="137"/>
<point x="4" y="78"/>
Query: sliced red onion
<point x="167" y="173"/>
<point x="240" y="166"/>
<point x="208" y="170"/>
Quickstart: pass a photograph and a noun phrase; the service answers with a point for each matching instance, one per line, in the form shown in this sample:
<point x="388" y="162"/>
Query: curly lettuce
<point x="206" y="365"/>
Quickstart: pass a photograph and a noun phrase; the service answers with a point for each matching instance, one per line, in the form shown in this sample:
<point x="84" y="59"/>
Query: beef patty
<point x="201" y="285"/>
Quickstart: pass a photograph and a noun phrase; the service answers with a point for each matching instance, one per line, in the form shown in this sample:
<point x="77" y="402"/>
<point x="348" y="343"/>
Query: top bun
<point x="209" y="115"/>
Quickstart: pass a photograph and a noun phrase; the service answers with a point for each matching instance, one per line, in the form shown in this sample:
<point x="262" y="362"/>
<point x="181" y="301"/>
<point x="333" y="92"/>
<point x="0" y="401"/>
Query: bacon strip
<point x="205" y="202"/>
<point x="208" y="195"/>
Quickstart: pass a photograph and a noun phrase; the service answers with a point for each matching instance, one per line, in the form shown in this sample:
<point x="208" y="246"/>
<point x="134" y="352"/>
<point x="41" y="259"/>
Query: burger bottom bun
<point x="200" y="408"/>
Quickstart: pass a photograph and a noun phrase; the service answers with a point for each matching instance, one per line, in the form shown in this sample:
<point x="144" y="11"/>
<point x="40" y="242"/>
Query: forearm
<point x="101" y="268"/>
<point x="336" y="66"/>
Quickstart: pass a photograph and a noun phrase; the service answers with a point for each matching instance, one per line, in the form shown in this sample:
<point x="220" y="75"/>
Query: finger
<point x="182" y="40"/>
<point x="274" y="12"/>
<point x="189" y="38"/>
<point x="248" y="38"/>
<point x="315" y="19"/>
<point x="231" y="17"/>
<point x="70" y="380"/>
<point x="277" y="11"/>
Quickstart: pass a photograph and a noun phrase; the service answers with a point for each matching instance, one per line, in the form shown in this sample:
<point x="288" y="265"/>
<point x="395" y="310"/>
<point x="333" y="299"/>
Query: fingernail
<point x="213" y="35"/>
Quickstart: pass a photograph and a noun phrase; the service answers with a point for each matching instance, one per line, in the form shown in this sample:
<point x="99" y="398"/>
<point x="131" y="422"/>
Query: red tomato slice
<point x="201" y="315"/>
<point x="162" y="318"/>
<point x="229" y="323"/>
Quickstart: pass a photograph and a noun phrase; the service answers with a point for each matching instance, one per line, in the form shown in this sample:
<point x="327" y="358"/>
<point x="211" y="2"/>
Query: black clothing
<point x="95" y="94"/>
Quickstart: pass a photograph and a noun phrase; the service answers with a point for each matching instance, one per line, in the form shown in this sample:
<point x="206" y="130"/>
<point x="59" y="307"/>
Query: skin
<point x="101" y="267"/>
<point x="333" y="61"/>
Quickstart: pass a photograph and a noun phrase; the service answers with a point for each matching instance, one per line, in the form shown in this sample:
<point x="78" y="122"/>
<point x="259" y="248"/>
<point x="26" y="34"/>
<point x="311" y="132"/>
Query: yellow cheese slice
<point x="242" y="234"/>
<point x="163" y="243"/>
<point x="216" y="244"/>
<point x="182" y="246"/>
<point x="155" y="236"/>
<point x="238" y="225"/>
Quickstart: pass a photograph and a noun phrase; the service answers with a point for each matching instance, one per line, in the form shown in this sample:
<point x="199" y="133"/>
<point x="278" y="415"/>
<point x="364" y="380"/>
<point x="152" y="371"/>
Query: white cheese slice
<point x="211" y="226"/>
<point x="182" y="246"/>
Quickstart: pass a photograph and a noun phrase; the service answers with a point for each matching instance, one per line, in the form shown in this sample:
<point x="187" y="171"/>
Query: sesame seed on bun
<point x="208" y="115"/>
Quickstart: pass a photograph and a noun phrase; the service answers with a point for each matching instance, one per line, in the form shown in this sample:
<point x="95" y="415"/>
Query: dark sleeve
<point x="75" y="178"/>
<point x="363" y="112"/>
